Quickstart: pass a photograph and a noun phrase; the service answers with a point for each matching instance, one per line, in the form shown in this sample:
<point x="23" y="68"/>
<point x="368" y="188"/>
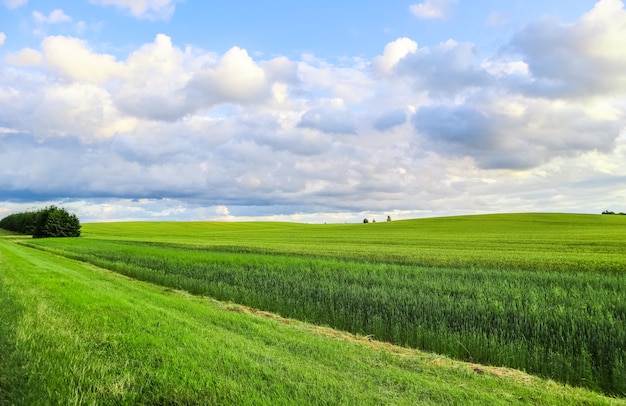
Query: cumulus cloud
<point x="445" y="70"/>
<point x="390" y="119"/>
<point x="392" y="54"/>
<point x="350" y="84"/>
<point x="180" y="131"/>
<point x="3" y="38"/>
<point x="25" y="57"/>
<point x="234" y="78"/>
<point x="143" y="9"/>
<point x="520" y="140"/>
<point x="442" y="71"/>
<point x="430" y="9"/>
<point x="79" y="110"/>
<point x="583" y="59"/>
<point x="281" y="69"/>
<point x="296" y="141"/>
<point x="73" y="59"/>
<point x="329" y="120"/>
<point x="154" y="78"/>
<point x="165" y="83"/>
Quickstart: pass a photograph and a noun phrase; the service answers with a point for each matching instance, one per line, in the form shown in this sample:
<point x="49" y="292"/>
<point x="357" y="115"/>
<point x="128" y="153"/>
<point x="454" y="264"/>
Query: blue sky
<point x="315" y="111"/>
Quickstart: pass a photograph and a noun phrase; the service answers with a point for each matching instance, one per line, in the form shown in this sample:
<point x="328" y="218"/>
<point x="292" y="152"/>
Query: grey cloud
<point x="455" y="125"/>
<point x="498" y="141"/>
<point x="282" y="70"/>
<point x="390" y="119"/>
<point x="159" y="107"/>
<point x="444" y="70"/>
<point x="331" y="121"/>
<point x="296" y="141"/>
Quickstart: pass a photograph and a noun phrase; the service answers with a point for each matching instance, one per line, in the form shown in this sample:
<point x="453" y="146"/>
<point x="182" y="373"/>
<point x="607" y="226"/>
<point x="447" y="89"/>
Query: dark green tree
<point x="56" y="222"/>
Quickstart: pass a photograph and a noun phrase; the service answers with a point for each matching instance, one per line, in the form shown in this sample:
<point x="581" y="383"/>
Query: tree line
<point x="612" y="212"/>
<point x="48" y="222"/>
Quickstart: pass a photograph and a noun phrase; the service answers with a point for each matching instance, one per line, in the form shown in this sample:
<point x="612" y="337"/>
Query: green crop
<point x="542" y="293"/>
<point x="75" y="334"/>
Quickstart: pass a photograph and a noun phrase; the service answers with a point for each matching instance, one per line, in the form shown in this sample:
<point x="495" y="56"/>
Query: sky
<point x="311" y="111"/>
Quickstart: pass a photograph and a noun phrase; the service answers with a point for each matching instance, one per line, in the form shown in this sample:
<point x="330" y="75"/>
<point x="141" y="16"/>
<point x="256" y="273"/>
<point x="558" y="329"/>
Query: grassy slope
<point x="575" y="244"/>
<point x="519" y="241"/>
<point x="71" y="333"/>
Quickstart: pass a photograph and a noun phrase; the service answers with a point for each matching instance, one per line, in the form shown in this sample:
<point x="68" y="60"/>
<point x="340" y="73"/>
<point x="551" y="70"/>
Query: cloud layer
<point x="180" y="131"/>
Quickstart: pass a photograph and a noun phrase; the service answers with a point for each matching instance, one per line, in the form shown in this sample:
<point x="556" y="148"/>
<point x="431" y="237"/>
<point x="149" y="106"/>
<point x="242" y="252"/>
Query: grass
<point x="540" y="292"/>
<point x="73" y="333"/>
<point x="534" y="241"/>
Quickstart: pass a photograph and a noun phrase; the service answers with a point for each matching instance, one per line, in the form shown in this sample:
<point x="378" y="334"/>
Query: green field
<point x="518" y="241"/>
<point x="539" y="292"/>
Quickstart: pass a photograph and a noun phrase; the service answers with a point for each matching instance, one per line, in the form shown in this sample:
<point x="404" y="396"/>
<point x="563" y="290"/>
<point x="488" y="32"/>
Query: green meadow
<point x="342" y="312"/>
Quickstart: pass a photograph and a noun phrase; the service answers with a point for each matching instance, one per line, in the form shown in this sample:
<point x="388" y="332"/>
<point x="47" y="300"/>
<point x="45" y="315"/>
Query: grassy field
<point x="540" y="292"/>
<point x="72" y="333"/>
<point x="510" y="241"/>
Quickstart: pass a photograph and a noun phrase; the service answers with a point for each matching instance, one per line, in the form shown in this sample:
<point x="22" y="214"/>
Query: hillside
<point x="513" y="241"/>
<point x="73" y="333"/>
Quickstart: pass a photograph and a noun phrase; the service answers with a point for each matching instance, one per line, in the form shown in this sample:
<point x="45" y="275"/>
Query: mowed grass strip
<point x="568" y="324"/>
<point x="72" y="333"/>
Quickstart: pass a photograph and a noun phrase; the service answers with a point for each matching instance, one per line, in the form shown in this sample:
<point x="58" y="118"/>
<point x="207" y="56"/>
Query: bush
<point x="49" y="222"/>
<point x="55" y="222"/>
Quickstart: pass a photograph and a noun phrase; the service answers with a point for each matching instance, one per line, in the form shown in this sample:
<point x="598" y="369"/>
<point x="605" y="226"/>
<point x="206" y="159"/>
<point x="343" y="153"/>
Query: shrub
<point x="56" y="222"/>
<point x="49" y="222"/>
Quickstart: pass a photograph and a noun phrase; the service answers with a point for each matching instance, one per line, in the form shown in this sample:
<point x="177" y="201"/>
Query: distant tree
<point x="365" y="221"/>
<point x="373" y="220"/>
<point x="388" y="218"/>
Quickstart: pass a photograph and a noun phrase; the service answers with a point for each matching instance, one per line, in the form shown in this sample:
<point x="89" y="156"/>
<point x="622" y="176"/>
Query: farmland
<point x="540" y="292"/>
<point x="72" y="333"/>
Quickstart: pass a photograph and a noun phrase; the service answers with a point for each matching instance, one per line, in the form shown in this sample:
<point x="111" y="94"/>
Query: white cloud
<point x="74" y="60"/>
<point x="584" y="59"/>
<point x="14" y="3"/>
<point x="180" y="131"/>
<point x="234" y="78"/>
<point x="431" y="9"/>
<point x="25" y="57"/>
<point x="80" y="110"/>
<point x="144" y="9"/>
<point x="55" y="17"/>
<point x="392" y="54"/>
<point x="344" y="84"/>
<point x="3" y="38"/>
<point x="154" y="78"/>
<point x="4" y="130"/>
